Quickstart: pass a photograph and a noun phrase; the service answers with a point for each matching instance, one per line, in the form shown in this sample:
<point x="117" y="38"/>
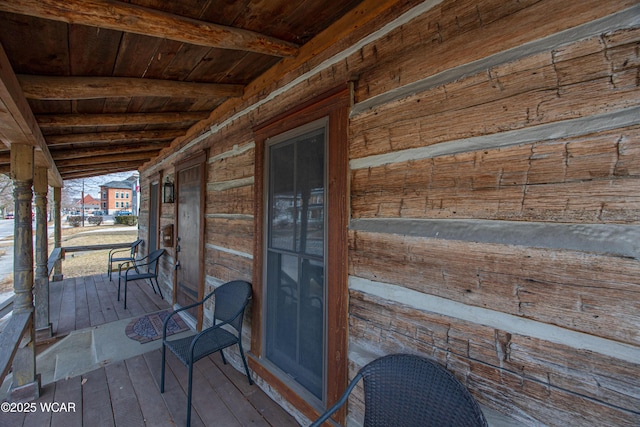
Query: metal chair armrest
<point x="343" y="399"/>
<point x="186" y="307"/>
<point x="114" y="251"/>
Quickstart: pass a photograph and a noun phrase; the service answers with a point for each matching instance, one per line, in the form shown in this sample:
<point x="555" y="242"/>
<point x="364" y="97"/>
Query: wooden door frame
<point x="199" y="158"/>
<point x="334" y="105"/>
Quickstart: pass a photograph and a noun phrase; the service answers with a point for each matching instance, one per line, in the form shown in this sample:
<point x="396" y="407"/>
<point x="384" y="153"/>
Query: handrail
<point x="10" y="340"/>
<point x="56" y="255"/>
<point x="6" y="306"/>
<point x="97" y="247"/>
<point x="11" y="335"/>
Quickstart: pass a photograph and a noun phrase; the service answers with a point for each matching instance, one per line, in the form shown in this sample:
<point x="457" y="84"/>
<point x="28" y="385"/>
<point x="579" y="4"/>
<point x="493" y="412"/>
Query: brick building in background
<point x="117" y="196"/>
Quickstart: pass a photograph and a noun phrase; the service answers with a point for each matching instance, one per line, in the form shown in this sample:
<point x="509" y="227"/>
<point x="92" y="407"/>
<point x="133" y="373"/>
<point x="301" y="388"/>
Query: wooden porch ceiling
<point x="101" y="86"/>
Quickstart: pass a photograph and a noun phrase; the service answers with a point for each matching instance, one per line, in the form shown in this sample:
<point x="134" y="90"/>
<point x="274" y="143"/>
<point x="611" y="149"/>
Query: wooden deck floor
<point x="127" y="393"/>
<point x="78" y="303"/>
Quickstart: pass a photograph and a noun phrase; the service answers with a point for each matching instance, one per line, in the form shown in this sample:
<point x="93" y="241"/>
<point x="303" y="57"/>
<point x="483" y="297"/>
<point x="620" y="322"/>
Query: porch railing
<point x="10" y="340"/>
<point x="12" y="334"/>
<point x="16" y="327"/>
<point x="6" y="306"/>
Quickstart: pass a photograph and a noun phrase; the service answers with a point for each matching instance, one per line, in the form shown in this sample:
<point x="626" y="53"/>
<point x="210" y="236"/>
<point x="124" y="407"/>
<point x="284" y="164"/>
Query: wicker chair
<point x="403" y="390"/>
<point x="231" y="299"/>
<point x="143" y="268"/>
<point x="129" y="258"/>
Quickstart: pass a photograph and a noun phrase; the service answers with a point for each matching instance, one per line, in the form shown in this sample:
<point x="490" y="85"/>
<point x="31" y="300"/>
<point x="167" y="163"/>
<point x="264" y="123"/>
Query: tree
<point x="6" y="194"/>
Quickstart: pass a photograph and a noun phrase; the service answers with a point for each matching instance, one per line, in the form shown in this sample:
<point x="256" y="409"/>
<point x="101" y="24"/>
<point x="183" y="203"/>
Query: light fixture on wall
<point x="167" y="191"/>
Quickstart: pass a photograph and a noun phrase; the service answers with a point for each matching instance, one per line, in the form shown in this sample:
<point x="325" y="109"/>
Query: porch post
<point x="41" y="292"/>
<point x="57" y="231"/>
<point x="26" y="383"/>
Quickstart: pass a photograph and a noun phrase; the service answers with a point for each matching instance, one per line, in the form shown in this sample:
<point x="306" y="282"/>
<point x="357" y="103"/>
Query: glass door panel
<point x="295" y="265"/>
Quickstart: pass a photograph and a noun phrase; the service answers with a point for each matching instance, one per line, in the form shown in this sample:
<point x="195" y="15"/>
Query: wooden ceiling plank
<point x="18" y="122"/>
<point x="120" y="16"/>
<point x="358" y="17"/>
<point x="98" y="47"/>
<point x="62" y="87"/>
<point x="51" y="121"/>
<point x="113" y="137"/>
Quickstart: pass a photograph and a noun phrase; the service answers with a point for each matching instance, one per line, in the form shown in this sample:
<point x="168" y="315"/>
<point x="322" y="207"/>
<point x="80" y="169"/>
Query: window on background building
<point x="104" y="194"/>
<point x="122" y="195"/>
<point x="127" y="204"/>
<point x="117" y="194"/>
<point x="117" y="204"/>
<point x="127" y="195"/>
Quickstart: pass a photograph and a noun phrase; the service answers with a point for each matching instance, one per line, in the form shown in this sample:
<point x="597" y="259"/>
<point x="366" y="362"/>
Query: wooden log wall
<point x="494" y="197"/>
<point x="499" y="191"/>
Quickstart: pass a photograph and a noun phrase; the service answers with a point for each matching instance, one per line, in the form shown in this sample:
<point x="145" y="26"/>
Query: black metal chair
<point x="231" y="299"/>
<point x="131" y="257"/>
<point x="143" y="268"/>
<point x="404" y="390"/>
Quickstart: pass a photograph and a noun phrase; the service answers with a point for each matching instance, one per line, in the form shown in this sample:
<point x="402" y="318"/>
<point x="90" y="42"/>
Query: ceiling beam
<point x="17" y="123"/>
<point x="86" y="171"/>
<point x="111" y="158"/>
<point x="121" y="16"/>
<point x="81" y="153"/>
<point x="93" y="173"/>
<point x="114" y="137"/>
<point x="68" y="88"/>
<point x="53" y="121"/>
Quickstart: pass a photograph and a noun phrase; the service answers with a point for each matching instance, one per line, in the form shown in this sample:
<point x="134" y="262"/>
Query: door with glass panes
<point x="295" y="255"/>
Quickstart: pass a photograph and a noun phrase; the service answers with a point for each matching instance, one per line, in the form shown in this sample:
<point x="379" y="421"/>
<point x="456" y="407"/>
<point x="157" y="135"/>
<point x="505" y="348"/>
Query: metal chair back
<point x="405" y="390"/>
<point x="152" y="263"/>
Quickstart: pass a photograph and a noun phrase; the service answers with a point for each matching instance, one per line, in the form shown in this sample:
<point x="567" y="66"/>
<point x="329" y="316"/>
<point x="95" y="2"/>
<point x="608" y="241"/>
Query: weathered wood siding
<point x="506" y="189"/>
<point x="494" y="196"/>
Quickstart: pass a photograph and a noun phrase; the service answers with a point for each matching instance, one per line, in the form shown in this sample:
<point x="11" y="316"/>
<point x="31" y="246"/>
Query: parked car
<point x="122" y="213"/>
<point x="9" y="215"/>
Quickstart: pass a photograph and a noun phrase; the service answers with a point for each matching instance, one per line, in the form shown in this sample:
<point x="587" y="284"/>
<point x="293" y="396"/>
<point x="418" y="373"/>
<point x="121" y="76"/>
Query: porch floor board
<point x="127" y="393"/>
<point x="81" y="302"/>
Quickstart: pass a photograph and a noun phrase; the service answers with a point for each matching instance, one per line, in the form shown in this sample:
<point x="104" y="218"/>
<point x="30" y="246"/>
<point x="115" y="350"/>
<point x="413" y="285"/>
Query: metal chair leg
<point x="189" y="395"/>
<point x="159" y="290"/>
<point x="164" y="351"/>
<point x="125" y="293"/>
<point x="244" y="360"/>
<point x="153" y="288"/>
